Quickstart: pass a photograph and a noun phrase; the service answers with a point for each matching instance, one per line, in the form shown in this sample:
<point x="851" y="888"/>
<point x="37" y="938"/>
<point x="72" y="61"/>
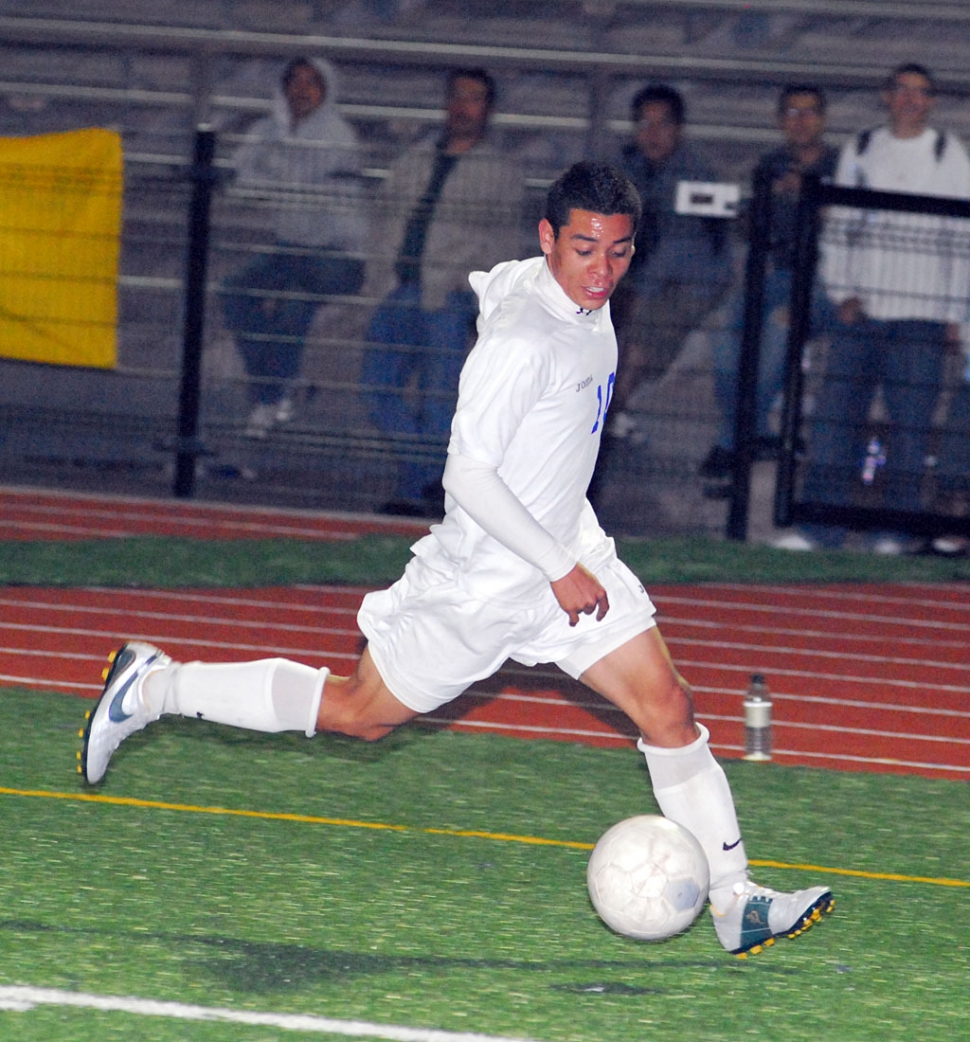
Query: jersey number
<point x="602" y="406"/>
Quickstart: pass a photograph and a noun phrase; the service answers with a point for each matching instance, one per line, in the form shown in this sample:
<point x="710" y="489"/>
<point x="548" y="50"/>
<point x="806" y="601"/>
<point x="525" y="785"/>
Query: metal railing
<point x="879" y="441"/>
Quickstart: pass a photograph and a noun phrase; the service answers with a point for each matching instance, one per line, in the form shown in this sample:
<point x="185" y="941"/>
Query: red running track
<point x="862" y="677"/>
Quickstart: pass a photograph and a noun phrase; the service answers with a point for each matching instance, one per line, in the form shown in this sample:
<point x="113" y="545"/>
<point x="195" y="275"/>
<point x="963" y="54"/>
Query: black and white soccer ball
<point x="648" y="878"/>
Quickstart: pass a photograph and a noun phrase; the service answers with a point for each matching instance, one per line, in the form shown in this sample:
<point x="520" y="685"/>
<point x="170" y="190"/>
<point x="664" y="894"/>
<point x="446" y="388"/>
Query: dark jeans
<point x="410" y="377"/>
<point x="954" y="457"/>
<point x="726" y="348"/>
<point x="270" y="304"/>
<point x="904" y="356"/>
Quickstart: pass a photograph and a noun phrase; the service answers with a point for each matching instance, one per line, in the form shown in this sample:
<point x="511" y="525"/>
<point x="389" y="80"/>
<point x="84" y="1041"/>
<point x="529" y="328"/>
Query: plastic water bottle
<point x="757" y="720"/>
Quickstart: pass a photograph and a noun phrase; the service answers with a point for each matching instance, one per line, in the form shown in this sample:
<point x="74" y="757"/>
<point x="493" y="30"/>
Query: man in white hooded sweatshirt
<point x="519" y="568"/>
<point x="305" y="160"/>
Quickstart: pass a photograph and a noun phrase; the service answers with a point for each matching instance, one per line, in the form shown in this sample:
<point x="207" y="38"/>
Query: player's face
<point x="304" y="91"/>
<point x="589" y="256"/>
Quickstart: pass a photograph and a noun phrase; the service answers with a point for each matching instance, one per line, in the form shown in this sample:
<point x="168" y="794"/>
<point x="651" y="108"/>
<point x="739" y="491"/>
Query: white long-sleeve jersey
<point x="532" y="401"/>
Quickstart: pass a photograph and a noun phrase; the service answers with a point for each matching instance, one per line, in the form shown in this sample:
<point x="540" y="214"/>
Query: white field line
<point x="26" y="998"/>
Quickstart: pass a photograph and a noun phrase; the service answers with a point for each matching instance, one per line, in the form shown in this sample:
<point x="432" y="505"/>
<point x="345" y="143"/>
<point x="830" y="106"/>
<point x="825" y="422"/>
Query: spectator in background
<point x="899" y="283"/>
<point x="682" y="265"/>
<point x="306" y="156"/>
<point x="801" y="120"/>
<point x="451" y="204"/>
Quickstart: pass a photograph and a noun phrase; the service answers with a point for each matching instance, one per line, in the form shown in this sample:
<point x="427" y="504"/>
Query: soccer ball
<point x="648" y="878"/>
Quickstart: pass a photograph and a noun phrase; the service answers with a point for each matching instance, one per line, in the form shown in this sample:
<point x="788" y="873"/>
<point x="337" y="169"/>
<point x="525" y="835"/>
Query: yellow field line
<point x="502" y="837"/>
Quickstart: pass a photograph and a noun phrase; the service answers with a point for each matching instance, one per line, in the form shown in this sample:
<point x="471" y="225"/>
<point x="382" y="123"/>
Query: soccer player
<point x="519" y="568"/>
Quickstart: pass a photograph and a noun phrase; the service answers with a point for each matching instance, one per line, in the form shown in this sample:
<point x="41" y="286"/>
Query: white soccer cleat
<point x="121" y="710"/>
<point x="755" y="916"/>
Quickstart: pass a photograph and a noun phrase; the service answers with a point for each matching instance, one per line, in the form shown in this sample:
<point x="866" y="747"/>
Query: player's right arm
<point x="580" y="592"/>
<point x="480" y="491"/>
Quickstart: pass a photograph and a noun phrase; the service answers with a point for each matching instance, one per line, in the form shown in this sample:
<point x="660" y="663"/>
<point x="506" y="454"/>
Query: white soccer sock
<point x="267" y="695"/>
<point x="692" y="789"/>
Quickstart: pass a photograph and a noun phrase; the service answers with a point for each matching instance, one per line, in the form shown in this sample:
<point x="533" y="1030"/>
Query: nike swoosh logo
<point x="116" y="712"/>
<point x="731" y="846"/>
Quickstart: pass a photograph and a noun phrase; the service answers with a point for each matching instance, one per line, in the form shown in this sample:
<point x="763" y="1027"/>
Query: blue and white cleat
<point x="755" y="916"/>
<point x="122" y="709"/>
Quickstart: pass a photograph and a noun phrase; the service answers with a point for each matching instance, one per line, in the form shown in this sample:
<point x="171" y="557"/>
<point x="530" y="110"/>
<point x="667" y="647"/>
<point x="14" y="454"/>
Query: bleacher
<point x="566" y="69"/>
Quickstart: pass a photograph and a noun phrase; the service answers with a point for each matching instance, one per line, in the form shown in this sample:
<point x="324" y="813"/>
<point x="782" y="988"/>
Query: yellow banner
<point x="60" y="229"/>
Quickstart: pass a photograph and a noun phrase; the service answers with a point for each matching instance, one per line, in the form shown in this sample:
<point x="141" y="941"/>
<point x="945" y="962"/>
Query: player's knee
<point x="671" y="715"/>
<point x="355" y="720"/>
<point x="356" y="709"/>
<point x="368" y="731"/>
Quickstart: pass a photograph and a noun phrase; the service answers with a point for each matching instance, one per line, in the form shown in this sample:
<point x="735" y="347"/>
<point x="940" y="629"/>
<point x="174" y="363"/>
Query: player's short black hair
<point x="910" y="69"/>
<point x="474" y="73"/>
<point x="592" y="186"/>
<point x="660" y="93"/>
<point x="793" y="90"/>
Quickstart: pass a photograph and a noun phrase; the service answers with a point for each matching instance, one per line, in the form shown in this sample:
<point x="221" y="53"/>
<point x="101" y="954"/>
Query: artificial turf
<point x="166" y="562"/>
<point x="397" y="884"/>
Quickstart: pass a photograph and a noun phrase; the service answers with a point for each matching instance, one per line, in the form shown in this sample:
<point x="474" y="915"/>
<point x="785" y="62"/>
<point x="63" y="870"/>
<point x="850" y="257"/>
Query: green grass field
<point x="437" y="880"/>
<point x="405" y="889"/>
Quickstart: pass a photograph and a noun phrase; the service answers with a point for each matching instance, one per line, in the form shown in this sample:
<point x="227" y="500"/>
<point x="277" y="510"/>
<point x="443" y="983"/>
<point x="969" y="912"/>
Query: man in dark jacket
<point x="682" y="264"/>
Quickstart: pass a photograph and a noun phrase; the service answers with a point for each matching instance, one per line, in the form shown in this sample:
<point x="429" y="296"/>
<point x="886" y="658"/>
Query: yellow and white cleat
<point x="122" y="709"/>
<point x="755" y="915"/>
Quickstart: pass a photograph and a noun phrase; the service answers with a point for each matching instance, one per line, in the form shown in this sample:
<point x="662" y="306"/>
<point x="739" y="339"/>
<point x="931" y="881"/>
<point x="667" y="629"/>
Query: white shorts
<point x="430" y="640"/>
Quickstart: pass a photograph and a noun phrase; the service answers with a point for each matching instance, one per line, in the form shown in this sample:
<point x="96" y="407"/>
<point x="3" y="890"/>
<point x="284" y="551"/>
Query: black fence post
<point x="188" y="447"/>
<point x="749" y="362"/>
<point x="799" y="329"/>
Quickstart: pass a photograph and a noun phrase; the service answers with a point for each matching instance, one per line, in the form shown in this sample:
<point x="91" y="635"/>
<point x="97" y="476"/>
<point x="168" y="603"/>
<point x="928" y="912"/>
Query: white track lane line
<point x="684" y="664"/>
<point x="780" y="631"/>
<point x="24" y="999"/>
<point x="816" y="613"/>
<point x="893" y="592"/>
<point x="782" y="649"/>
<point x="168" y="616"/>
<point x="607" y="707"/>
